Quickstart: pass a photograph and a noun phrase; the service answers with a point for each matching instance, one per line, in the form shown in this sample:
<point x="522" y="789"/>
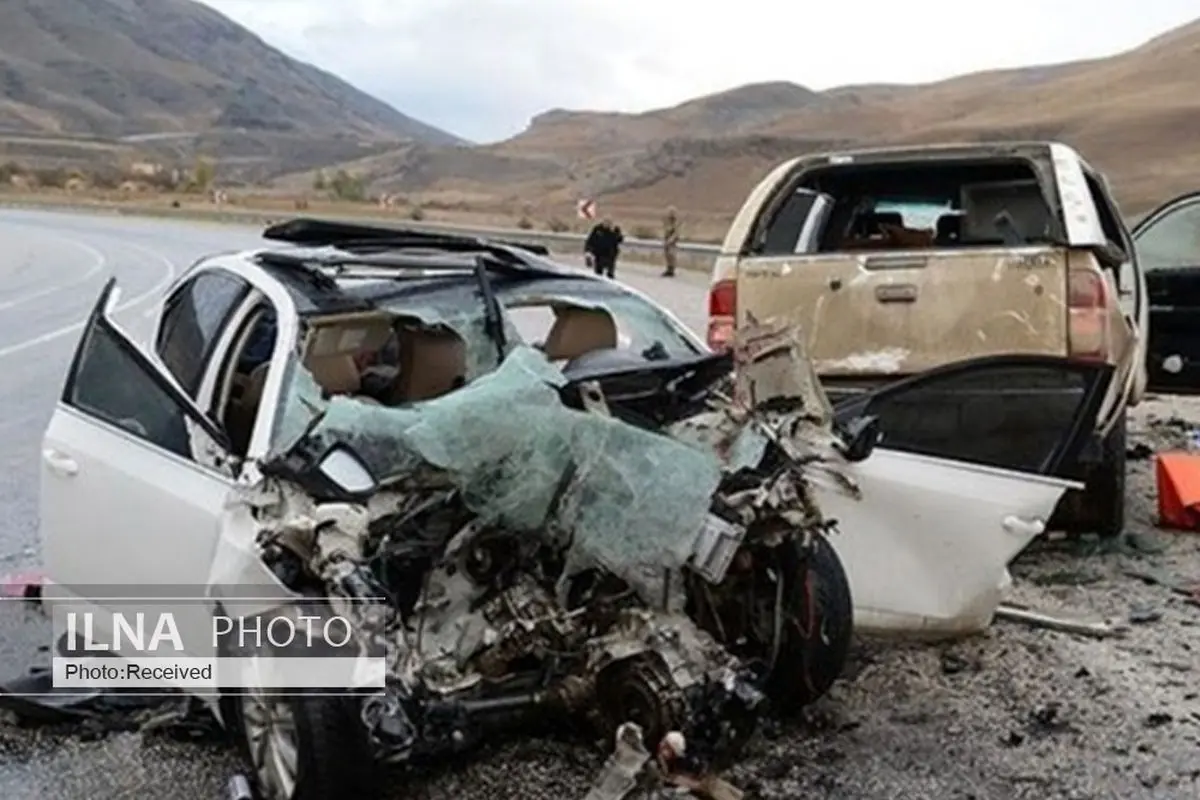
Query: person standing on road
<point x="670" y="241"/>
<point x="602" y="247"/>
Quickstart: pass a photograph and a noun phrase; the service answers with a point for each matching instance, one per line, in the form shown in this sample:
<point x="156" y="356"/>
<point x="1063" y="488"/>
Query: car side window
<point x="786" y="229"/>
<point x="972" y="414"/>
<point x="1171" y="241"/>
<point x="110" y="383"/>
<point x="192" y="322"/>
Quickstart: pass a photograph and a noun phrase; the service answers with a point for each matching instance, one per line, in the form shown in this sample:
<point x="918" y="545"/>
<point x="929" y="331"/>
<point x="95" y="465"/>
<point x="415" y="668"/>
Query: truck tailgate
<point x="898" y="313"/>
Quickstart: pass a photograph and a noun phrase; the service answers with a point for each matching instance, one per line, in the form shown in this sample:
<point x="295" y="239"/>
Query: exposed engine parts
<point x="489" y="619"/>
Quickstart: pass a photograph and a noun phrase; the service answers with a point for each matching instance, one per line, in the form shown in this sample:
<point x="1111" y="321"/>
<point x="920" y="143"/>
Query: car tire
<point x="816" y="643"/>
<point x="1099" y="508"/>
<point x="819" y="618"/>
<point x="333" y="755"/>
<point x="1106" y="486"/>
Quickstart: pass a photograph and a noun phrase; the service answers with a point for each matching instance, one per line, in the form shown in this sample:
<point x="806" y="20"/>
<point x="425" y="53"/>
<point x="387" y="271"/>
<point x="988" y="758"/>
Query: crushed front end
<point x="550" y="562"/>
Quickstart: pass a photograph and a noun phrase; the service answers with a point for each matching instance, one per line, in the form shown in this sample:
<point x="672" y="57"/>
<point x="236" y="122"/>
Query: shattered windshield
<point x="499" y="432"/>
<point x="521" y="459"/>
<point x="640" y="325"/>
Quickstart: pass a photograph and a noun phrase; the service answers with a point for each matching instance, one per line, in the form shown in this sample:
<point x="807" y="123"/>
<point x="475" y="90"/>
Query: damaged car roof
<point x="318" y="275"/>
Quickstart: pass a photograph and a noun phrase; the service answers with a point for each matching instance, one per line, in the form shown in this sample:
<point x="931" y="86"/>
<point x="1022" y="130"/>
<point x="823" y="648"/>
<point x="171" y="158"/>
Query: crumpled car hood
<point x="629" y="500"/>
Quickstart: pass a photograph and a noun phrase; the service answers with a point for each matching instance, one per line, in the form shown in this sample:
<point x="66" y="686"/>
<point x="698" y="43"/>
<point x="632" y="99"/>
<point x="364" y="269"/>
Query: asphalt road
<point x="52" y="267"/>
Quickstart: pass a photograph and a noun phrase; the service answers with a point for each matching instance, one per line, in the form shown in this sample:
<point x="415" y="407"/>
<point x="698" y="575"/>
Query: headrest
<point x="433" y="362"/>
<point x="578" y="331"/>
<point x="337" y="374"/>
<point x="348" y="334"/>
<point x="949" y="227"/>
<point x="871" y="223"/>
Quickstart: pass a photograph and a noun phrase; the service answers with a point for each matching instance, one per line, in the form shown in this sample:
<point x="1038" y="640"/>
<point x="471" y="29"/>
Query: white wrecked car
<point x="603" y="525"/>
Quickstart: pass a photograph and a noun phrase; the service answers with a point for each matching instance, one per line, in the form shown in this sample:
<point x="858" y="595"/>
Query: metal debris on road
<point x="621" y="771"/>
<point x="1095" y="629"/>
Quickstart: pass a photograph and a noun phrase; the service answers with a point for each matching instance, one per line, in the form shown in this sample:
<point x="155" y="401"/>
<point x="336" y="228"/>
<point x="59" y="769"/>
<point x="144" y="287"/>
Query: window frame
<point x="99" y="319"/>
<point x="172" y="305"/>
<point x="1072" y="443"/>
<point x="1147" y="224"/>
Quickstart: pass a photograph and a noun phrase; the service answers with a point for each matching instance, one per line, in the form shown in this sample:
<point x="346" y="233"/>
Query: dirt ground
<point x="1016" y="713"/>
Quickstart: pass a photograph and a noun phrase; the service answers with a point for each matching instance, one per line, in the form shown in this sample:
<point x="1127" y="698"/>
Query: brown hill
<point x="1133" y="115"/>
<point x="113" y="69"/>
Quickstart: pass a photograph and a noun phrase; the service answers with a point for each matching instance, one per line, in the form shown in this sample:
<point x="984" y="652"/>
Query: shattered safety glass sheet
<point x="467" y="319"/>
<point x="629" y="500"/>
<point x="639" y="324"/>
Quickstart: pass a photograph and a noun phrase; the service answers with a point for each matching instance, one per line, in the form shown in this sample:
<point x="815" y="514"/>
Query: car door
<point x="134" y="481"/>
<point x="1167" y="242"/>
<point x="963" y="478"/>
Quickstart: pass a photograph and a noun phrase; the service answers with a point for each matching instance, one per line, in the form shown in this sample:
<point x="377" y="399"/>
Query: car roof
<point x="305" y="255"/>
<point x="949" y="151"/>
<point x="314" y="292"/>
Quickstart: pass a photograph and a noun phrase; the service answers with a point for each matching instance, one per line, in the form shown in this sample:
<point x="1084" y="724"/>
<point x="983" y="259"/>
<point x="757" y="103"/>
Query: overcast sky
<point x="483" y="68"/>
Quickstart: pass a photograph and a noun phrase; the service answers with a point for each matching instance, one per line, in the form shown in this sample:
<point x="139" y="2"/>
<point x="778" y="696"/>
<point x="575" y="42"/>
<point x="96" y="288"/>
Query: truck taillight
<point x="722" y="312"/>
<point x="1087" y="315"/>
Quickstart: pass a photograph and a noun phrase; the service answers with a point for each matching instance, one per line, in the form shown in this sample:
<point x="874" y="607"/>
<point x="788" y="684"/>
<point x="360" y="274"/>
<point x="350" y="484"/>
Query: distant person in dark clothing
<point x="602" y="247"/>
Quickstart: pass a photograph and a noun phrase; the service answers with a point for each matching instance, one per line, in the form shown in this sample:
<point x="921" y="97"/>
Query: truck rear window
<point x="904" y="206"/>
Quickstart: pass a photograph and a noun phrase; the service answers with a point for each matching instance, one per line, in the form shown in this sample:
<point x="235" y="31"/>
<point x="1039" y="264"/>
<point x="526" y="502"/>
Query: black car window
<point x="192" y="321"/>
<point x="1172" y="240"/>
<point x="110" y="383"/>
<point x="1021" y="415"/>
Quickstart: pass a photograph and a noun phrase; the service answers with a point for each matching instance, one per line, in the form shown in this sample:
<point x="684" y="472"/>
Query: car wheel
<point x="1106" y="486"/>
<point x="305" y="747"/>
<point x="1099" y="507"/>
<point x="818" y="618"/>
<point x="820" y="622"/>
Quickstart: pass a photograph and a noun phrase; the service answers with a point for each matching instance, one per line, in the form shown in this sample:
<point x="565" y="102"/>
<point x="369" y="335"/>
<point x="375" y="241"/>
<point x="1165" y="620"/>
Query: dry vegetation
<point x="90" y="90"/>
<point x="1132" y="115"/>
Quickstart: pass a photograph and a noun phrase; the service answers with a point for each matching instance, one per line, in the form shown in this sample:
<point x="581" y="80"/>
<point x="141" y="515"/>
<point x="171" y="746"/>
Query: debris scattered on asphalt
<point x="1144" y="616"/>
<point x="1189" y="592"/>
<point x="1048" y="720"/>
<point x="1039" y="619"/>
<point x="24" y="585"/>
<point x="1139" y="452"/>
<point x="620" y="773"/>
<point x="1158" y="719"/>
<point x="239" y="788"/>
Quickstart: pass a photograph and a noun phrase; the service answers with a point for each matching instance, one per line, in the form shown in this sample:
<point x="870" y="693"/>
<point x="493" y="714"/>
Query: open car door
<point x="962" y="480"/>
<point x="134" y="481"/>
<point x="1167" y="242"/>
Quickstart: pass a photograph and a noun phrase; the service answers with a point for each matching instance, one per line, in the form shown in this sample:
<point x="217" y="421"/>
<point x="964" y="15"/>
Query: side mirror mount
<point x="860" y="435"/>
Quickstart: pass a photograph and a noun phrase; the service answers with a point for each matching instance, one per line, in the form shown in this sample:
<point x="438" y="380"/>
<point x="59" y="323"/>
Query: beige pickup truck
<point x="997" y="283"/>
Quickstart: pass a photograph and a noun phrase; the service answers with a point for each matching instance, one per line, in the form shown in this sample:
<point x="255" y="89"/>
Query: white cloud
<point x="482" y="68"/>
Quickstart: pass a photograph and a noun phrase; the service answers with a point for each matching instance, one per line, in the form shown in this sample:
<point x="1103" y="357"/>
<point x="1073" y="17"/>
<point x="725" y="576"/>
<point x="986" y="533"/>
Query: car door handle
<point x="896" y="293"/>
<point x="1024" y="526"/>
<point x="60" y="463"/>
<point x="895" y="262"/>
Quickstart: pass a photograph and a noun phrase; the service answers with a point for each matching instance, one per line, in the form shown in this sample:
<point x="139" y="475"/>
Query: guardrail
<point x="690" y="255"/>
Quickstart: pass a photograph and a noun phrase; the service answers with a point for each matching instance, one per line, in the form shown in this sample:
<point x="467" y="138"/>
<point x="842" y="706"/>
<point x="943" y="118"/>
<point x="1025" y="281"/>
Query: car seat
<point x="578" y="331"/>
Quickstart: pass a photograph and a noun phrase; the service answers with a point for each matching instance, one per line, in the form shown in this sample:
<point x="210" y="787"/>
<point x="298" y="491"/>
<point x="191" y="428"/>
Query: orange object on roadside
<point x="1177" y="476"/>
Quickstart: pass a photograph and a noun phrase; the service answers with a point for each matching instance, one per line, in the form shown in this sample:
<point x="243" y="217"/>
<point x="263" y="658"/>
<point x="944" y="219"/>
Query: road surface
<point x="1014" y="714"/>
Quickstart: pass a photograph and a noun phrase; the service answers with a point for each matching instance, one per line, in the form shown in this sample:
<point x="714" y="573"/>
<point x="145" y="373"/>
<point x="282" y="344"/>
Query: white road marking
<point x="98" y="263"/>
<point x="168" y="275"/>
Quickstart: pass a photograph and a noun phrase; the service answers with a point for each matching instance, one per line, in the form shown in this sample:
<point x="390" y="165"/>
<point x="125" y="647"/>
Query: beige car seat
<point x="241" y="413"/>
<point x="433" y="362"/>
<point x="578" y="331"/>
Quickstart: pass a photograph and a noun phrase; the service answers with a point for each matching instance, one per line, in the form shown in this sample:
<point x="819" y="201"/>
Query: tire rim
<point x="271" y="738"/>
